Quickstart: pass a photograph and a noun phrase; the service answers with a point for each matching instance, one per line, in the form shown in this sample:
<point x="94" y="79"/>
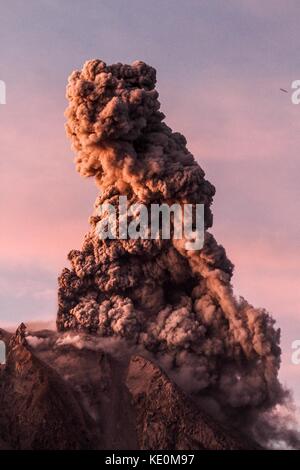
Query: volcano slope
<point x="75" y="391"/>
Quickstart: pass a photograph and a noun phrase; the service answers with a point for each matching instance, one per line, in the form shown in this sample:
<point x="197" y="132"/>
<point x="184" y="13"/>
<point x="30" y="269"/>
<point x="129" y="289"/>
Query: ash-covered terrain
<point x="76" y="391"/>
<point x="149" y="333"/>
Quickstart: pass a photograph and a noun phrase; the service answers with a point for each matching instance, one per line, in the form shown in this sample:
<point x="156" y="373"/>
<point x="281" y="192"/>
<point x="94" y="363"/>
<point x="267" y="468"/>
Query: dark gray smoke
<point x="178" y="304"/>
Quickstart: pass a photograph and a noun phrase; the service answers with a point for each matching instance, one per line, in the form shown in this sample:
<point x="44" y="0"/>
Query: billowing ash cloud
<point x="177" y="304"/>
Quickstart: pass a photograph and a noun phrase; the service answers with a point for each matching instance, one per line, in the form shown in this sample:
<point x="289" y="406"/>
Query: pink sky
<point x="219" y="73"/>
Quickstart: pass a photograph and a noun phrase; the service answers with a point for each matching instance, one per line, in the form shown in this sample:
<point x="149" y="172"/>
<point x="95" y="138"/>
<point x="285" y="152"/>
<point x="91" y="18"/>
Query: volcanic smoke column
<point x="178" y="304"/>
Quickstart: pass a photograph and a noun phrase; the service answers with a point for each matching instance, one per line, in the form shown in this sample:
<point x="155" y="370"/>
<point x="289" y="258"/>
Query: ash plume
<point x="177" y="304"/>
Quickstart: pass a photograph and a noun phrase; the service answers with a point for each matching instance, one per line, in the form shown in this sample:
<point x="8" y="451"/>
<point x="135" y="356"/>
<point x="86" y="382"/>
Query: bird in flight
<point x="282" y="89"/>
